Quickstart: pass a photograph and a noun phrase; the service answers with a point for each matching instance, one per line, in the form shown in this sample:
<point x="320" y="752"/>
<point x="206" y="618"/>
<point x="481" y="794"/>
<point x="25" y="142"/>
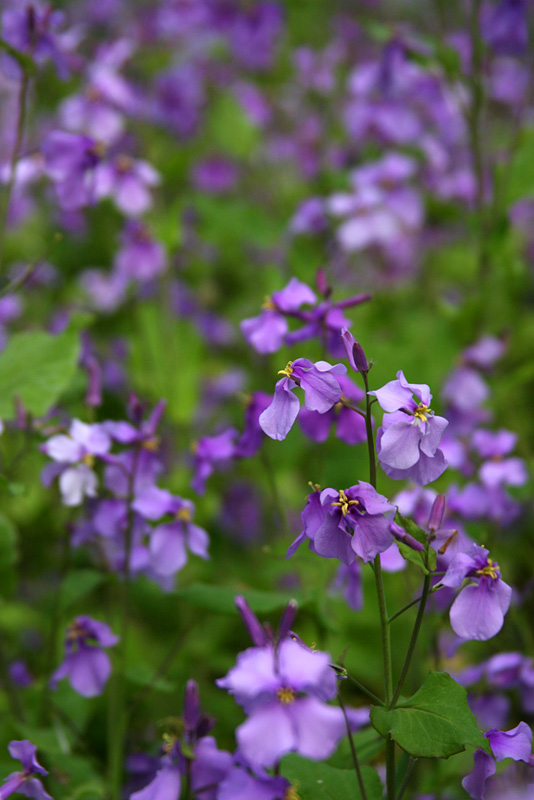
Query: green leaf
<point x="229" y="129"/>
<point x="36" y="368"/>
<point x="221" y="599"/>
<point x="78" y="584"/>
<point x="313" y="781"/>
<point x="415" y="556"/>
<point x="435" y="723"/>
<point x="24" y="61"/>
<point x="8" y="555"/>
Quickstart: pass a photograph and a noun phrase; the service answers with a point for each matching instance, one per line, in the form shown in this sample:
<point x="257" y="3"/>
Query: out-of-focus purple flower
<point x="242" y="784"/>
<point x="267" y="332"/>
<point x="19" y="674"/>
<point x="71" y="161"/>
<point x="478" y="611"/>
<point x="86" y="665"/>
<point x="283" y="690"/>
<point x="253" y="103"/>
<point x="499" y="471"/>
<point x="35" y="28"/>
<point x="485" y="352"/>
<point x="211" y="452"/>
<point x="515" y="744"/>
<point x="75" y="454"/>
<point x="215" y="175"/>
<point x="321" y="392"/>
<point x="504" y="671"/>
<point x="254" y="33"/>
<point x="349" y="581"/>
<point x="505" y="27"/>
<point x="350" y="426"/>
<point x="128" y="181"/>
<point x="180" y="98"/>
<point x="407" y="443"/>
<point x="347" y="523"/>
<point x="169" y="539"/>
<point x="140" y="258"/>
<point x="310" y="217"/>
<point x="252" y="437"/>
<point x="24" y="782"/>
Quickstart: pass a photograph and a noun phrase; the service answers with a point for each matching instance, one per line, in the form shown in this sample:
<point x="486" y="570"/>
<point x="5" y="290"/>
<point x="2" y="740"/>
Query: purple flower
<point x="33" y="28"/>
<point x="211" y="452"/>
<point x="515" y="744"/>
<point x="254" y="33"/>
<point x="241" y="784"/>
<point x="71" y="161"/>
<point x="346" y="524"/>
<point x="180" y="97"/>
<point x="140" y="258"/>
<point x="478" y="611"/>
<point x="499" y="471"/>
<point x="407" y="444"/>
<point x="350" y="426"/>
<point x="75" y="454"/>
<point x="283" y="691"/>
<point x="215" y="175"/>
<point x="128" y="181"/>
<point x="86" y="665"/>
<point x="266" y="333"/>
<point x="321" y="392"/>
<point x="252" y="437"/>
<point x="169" y="539"/>
<point x="505" y="27"/>
<point x="24" y="782"/>
<point x="310" y="217"/>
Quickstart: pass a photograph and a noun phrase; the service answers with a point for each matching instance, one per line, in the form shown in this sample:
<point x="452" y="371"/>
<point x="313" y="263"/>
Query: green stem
<point x="417" y="600"/>
<point x="406" y="780"/>
<point x="369" y="430"/>
<point x="355" y="761"/>
<point x="19" y="134"/>
<point x="413" y="640"/>
<point x="366" y="691"/>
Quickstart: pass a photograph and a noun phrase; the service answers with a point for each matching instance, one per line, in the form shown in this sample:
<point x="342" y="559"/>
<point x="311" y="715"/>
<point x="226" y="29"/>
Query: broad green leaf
<point x="37" y="367"/>
<point x="313" y="781"/>
<point x="436" y="722"/>
<point x="78" y="584"/>
<point x="222" y="598"/>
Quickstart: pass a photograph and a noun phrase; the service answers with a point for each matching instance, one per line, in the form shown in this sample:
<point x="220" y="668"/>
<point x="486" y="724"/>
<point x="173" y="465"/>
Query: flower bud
<point x="435" y="520"/>
<point x="252" y="624"/>
<point x="355" y="353"/>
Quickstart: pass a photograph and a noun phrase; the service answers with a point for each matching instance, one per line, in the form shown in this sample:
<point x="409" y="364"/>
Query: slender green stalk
<point x="355" y="761"/>
<point x="19" y="134"/>
<point x="364" y="689"/>
<point x="413" y="639"/>
<point x="406" y="780"/>
<point x="382" y="608"/>
<point x="417" y="600"/>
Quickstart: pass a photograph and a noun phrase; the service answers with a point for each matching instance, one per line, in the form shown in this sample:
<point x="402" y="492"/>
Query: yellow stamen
<point x="344" y="503"/>
<point x="184" y="514"/>
<point x="490" y="570"/>
<point x="421" y="412"/>
<point x="268" y="304"/>
<point x="124" y="163"/>
<point x="168" y="742"/>
<point x="88" y="459"/>
<point x="152" y="444"/>
<point x="286" y="695"/>
<point x="287" y="371"/>
<point x="292" y="792"/>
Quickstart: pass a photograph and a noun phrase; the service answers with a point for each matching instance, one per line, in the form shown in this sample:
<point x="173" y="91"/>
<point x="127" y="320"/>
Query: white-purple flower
<point x="408" y="441"/>
<point x="25" y="782"/>
<point x="75" y="454"/>
<point x="283" y="690"/>
<point x="321" y="392"/>
<point x="515" y="744"/>
<point x="478" y="611"/>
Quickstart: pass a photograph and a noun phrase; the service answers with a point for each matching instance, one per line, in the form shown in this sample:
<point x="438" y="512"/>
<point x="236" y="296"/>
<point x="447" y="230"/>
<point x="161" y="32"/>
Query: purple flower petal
<point x="277" y="420"/>
<point x="167" y="548"/>
<point x="319" y="727"/>
<point x="478" y="611"/>
<point x="268" y="734"/>
<point x="165" y="786"/>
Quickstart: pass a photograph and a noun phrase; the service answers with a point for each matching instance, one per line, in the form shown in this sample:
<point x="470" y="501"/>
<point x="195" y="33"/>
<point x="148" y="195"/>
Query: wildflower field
<point x="266" y="380"/>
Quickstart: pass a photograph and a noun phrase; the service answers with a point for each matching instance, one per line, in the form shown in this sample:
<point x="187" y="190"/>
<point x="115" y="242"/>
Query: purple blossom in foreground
<point x="478" y="611"/>
<point x="347" y="523"/>
<point x="75" y="454"/>
<point x="321" y="392"/>
<point x="242" y="784"/>
<point x="407" y="443"/>
<point x="349" y="425"/>
<point x="24" y="782"/>
<point x="283" y="690"/>
<point x="86" y="665"/>
<point x="515" y="744"/>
